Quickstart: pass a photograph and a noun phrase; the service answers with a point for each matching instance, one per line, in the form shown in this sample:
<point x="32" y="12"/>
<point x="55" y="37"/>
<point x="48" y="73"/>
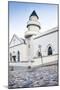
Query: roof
<point x="20" y="40"/>
<point x="34" y="14"/>
<point x="46" y="32"/>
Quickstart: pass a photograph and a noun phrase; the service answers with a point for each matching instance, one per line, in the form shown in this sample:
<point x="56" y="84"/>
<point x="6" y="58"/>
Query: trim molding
<point x="34" y="25"/>
<point x="46" y="34"/>
<point x="17" y="45"/>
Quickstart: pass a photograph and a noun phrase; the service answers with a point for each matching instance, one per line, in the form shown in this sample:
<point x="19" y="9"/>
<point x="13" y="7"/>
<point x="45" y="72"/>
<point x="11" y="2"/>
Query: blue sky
<point x="19" y="15"/>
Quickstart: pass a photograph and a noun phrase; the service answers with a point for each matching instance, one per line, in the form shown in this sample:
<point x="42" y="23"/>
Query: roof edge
<point x="47" y="32"/>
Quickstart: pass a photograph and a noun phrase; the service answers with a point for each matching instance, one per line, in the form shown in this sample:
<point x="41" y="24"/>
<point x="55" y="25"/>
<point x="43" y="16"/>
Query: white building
<point x="37" y="48"/>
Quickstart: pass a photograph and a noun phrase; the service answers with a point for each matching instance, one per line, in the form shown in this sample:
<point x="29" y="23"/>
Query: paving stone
<point x="43" y="76"/>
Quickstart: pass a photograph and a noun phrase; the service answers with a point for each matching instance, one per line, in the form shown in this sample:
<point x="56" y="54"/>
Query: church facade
<point x="37" y="48"/>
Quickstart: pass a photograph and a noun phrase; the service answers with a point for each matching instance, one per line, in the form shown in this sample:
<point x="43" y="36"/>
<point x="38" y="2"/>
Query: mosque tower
<point x="33" y="26"/>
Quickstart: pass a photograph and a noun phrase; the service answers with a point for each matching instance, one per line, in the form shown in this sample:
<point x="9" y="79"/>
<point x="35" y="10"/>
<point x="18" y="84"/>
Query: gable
<point x="15" y="41"/>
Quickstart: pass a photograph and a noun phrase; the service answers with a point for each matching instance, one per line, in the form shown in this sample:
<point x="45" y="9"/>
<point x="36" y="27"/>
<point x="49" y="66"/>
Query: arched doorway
<point x="49" y="50"/>
<point x="14" y="58"/>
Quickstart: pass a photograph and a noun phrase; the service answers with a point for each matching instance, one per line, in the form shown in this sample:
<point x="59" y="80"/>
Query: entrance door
<point x="14" y="58"/>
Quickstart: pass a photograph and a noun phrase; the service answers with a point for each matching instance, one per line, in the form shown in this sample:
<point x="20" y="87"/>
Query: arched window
<point x="11" y="57"/>
<point x="49" y="50"/>
<point x="18" y="56"/>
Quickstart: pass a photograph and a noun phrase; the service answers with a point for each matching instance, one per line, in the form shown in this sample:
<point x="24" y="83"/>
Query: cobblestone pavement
<point x="41" y="76"/>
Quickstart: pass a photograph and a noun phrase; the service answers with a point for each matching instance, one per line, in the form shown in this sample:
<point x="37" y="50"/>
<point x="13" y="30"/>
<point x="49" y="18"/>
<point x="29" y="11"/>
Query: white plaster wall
<point x="38" y="61"/>
<point x="27" y="54"/>
<point x="44" y="41"/>
<point x="22" y="49"/>
<point x="44" y="60"/>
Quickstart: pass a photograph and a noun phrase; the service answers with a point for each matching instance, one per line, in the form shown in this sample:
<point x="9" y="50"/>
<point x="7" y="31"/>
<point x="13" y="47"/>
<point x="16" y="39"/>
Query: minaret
<point x="33" y="26"/>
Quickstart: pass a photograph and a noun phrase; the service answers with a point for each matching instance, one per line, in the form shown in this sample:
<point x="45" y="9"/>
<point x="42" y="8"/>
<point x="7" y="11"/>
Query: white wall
<point x="45" y="60"/>
<point x="45" y="41"/>
<point x="38" y="61"/>
<point x="27" y="54"/>
<point x="22" y="49"/>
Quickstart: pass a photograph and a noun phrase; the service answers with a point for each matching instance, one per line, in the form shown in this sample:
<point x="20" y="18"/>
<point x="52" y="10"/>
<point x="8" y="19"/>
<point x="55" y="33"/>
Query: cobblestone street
<point x="38" y="77"/>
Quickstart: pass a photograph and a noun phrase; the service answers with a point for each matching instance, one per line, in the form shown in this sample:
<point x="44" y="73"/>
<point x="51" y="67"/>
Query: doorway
<point x="14" y="58"/>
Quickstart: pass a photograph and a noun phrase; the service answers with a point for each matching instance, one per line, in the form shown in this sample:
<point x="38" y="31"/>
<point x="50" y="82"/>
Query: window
<point x="18" y="56"/>
<point x="39" y="54"/>
<point x="49" y="50"/>
<point x="14" y="58"/>
<point x="10" y="57"/>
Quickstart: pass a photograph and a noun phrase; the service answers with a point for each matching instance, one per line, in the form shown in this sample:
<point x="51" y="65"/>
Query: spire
<point x="34" y="14"/>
